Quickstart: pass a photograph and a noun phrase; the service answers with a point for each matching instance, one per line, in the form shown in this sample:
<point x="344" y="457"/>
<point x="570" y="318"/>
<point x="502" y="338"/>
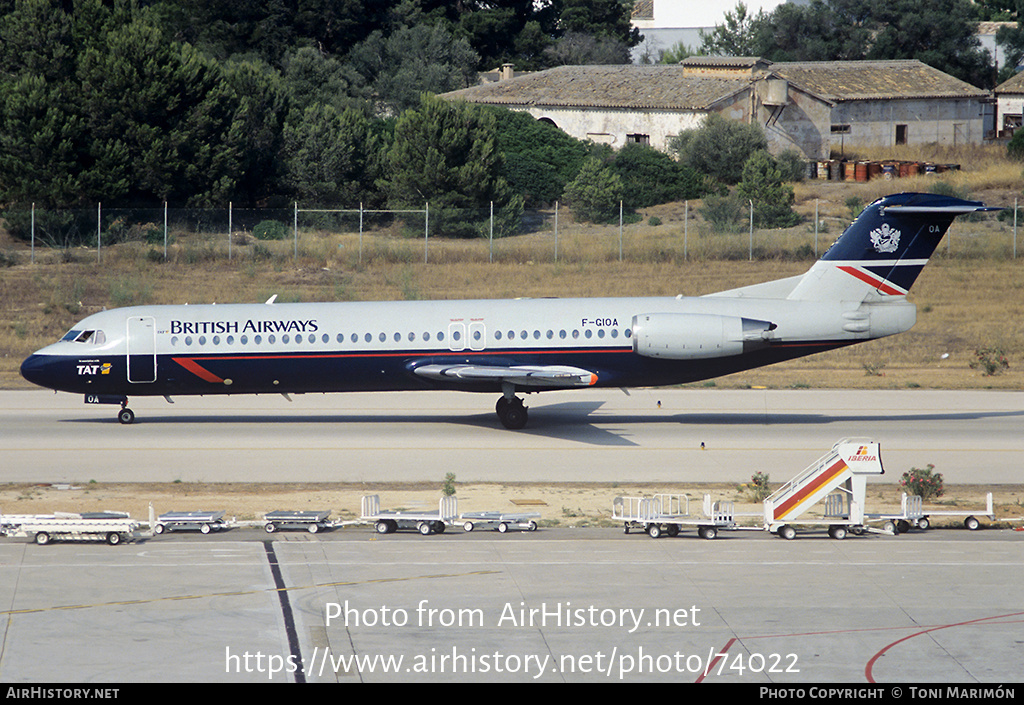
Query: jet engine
<point x="694" y="336"/>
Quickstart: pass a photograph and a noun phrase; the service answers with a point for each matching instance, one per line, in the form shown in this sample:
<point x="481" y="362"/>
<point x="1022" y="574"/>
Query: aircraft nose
<point x="34" y="369"/>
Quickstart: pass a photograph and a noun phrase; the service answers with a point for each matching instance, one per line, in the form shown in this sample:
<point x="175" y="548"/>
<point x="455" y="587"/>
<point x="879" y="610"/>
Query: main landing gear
<point x="511" y="412"/>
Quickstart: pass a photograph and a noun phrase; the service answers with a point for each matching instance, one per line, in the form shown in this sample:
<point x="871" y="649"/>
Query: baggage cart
<point x="668" y="514"/>
<point x="67" y="526"/>
<point x="425" y="522"/>
<point x="311" y="521"/>
<point x="499" y="521"/>
<point x="204" y="522"/>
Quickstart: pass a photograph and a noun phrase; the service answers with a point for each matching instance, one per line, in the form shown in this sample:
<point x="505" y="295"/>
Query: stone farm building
<point x="812" y="107"/>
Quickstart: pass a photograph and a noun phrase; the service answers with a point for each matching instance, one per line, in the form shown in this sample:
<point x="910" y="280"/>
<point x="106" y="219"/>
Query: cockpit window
<point x="96" y="337"/>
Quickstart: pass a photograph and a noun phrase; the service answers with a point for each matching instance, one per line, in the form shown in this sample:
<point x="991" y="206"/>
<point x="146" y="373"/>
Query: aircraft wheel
<point x="515" y="416"/>
<point x="126" y="416"/>
<point x="972" y="523"/>
<point x="787" y="532"/>
<point x="42" y="538"/>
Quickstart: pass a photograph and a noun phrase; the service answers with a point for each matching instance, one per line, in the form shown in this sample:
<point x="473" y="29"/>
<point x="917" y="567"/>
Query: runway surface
<point x="565" y="605"/>
<point x="574" y="605"/>
<point x="590" y="435"/>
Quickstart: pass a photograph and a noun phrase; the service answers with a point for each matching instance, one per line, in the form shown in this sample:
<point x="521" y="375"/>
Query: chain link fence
<point x="360" y="236"/>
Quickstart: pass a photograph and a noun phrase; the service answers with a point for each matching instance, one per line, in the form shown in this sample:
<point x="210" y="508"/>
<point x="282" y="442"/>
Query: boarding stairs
<point x="839" y="476"/>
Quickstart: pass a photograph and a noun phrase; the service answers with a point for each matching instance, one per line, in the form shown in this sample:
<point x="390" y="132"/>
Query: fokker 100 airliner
<point x="855" y="292"/>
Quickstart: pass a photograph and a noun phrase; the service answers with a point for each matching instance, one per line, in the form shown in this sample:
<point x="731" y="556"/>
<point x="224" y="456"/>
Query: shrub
<point x="448" y="486"/>
<point x="762" y="184"/>
<point x="720" y="147"/>
<point x="758" y="487"/>
<point x="723" y="213"/>
<point x="924" y="483"/>
<point x="270" y="230"/>
<point x="594" y="195"/>
<point x="650" y="177"/>
<point x="991" y="361"/>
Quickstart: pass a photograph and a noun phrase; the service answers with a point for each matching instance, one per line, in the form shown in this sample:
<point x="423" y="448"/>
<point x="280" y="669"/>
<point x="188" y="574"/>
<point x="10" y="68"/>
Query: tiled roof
<point x="864" y="80"/>
<point x="620" y="86"/>
<point x="1012" y="85"/>
<point x="673" y="87"/>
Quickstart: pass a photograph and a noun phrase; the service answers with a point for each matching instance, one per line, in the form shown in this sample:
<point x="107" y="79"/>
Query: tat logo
<point x="89" y="369"/>
<point x="885" y="239"/>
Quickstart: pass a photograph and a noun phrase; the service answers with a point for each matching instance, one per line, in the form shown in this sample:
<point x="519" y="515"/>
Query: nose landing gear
<point x="125" y="415"/>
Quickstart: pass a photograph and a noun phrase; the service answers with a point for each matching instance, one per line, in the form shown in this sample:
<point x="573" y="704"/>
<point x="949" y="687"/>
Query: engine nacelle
<point x="695" y="336"/>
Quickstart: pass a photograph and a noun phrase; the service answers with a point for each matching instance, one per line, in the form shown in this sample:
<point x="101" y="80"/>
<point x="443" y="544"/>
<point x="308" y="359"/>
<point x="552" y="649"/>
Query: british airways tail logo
<point x="885" y="239"/>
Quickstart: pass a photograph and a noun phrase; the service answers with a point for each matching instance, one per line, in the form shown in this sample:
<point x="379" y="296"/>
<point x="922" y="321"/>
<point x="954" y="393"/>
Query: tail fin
<point x="884" y="249"/>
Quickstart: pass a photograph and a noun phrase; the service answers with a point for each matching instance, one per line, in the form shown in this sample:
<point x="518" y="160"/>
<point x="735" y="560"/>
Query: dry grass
<point x="970" y="296"/>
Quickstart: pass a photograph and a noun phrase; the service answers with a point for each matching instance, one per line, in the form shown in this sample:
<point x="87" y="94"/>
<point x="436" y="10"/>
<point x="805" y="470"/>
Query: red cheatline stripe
<point x="833" y="471"/>
<point x="201" y="372"/>
<point x="874" y="281"/>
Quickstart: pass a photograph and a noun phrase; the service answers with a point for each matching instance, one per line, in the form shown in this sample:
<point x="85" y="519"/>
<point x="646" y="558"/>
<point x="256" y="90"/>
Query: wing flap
<point x="520" y="375"/>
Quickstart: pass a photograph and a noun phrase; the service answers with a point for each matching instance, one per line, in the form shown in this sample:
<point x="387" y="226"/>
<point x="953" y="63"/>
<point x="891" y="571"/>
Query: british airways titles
<point x="250" y="326"/>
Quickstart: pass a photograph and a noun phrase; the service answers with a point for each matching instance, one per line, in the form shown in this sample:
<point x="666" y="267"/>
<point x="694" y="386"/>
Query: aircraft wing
<point x="559" y="376"/>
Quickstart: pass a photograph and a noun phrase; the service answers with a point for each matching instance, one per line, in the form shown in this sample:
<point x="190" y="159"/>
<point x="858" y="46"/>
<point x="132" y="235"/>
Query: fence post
<point x="426" y="229"/>
<point x="296" y="229"/>
<point x="620" y="231"/>
<point x="33" y="233"/>
<point x="751" y="249"/>
<point x="165" y="231"/>
<point x="815" y="228"/>
<point x="686" y="229"/>
<point x="490" y="255"/>
<point x="99" y="227"/>
<point x="1015" y="228"/>
<point x="229" y="230"/>
<point x="556" y="231"/>
<point x="360" y="233"/>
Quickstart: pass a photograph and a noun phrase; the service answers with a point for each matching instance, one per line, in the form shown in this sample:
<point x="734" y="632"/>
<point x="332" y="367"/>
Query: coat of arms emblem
<point x="885" y="238"/>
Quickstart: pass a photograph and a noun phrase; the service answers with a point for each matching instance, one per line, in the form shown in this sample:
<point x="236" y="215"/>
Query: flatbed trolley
<point x="66" y="526"/>
<point x="668" y="514"/>
<point x="204" y="522"/>
<point x="310" y="521"/>
<point x="499" y="521"/>
<point x="426" y="522"/>
<point x="914" y="515"/>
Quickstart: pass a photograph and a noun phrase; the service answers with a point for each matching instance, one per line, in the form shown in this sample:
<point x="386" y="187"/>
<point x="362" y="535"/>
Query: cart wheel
<point x="903" y="526"/>
<point x="205" y="528"/>
<point x="837" y="532"/>
<point x="313" y="528"/>
<point x="381" y="527"/>
<point x="923" y="524"/>
<point x="42" y="538"/>
<point x="468" y="526"/>
<point x="972" y="523"/>
<point x="270" y="527"/>
<point x="625" y="528"/>
<point x="672" y="530"/>
<point x="787" y="532"/>
<point x="654" y="531"/>
<point x="707" y="532"/>
<point x="158" y="529"/>
<point x="532" y="526"/>
<point x="114" y="538"/>
<point x="439" y="527"/>
<point x="502" y="528"/>
<point x="424" y="528"/>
